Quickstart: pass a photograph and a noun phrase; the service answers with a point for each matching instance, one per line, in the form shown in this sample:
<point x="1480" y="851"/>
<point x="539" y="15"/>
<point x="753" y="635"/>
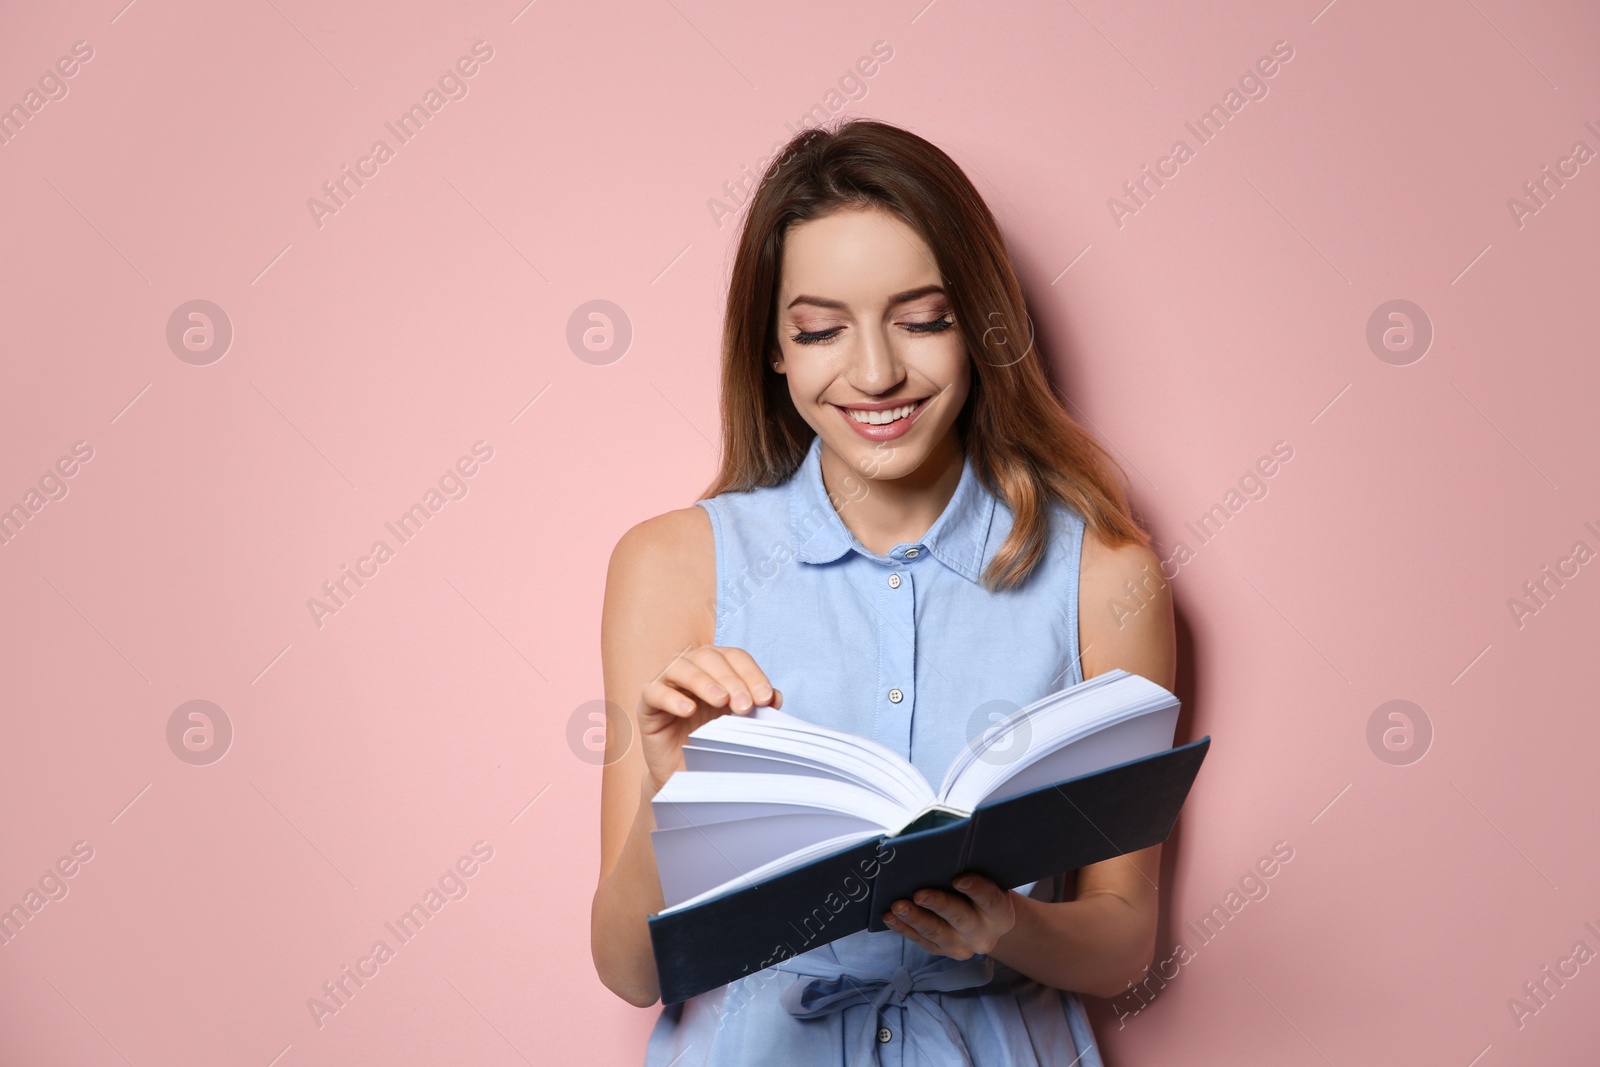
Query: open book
<point x="771" y="814"/>
<point x="766" y="792"/>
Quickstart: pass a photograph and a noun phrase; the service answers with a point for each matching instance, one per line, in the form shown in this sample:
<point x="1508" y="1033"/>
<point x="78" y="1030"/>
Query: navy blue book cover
<point x="1014" y="841"/>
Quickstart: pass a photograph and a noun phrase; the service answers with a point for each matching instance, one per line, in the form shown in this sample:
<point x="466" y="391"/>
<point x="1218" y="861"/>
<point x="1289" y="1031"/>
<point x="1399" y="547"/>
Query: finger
<point x="953" y="909"/>
<point x="663" y="697"/>
<point x="911" y="935"/>
<point x="726" y="689"/>
<point x="715" y="662"/>
<point x="985" y="893"/>
<point x="695" y="681"/>
<point x="755" y="679"/>
<point x="924" y="921"/>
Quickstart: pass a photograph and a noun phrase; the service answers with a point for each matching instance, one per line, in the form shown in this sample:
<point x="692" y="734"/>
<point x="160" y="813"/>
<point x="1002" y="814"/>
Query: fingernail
<point x="963" y="883"/>
<point x="765" y="695"/>
<point x="718" y="692"/>
<point x="741" y="701"/>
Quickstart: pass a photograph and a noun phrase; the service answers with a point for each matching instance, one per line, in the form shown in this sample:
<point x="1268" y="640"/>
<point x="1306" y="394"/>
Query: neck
<point x="896" y="510"/>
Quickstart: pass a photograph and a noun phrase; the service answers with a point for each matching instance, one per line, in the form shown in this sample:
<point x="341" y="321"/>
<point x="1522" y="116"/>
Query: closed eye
<point x="822" y="337"/>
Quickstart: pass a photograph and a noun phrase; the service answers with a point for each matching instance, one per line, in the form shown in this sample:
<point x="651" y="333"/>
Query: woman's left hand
<point x="958" y="925"/>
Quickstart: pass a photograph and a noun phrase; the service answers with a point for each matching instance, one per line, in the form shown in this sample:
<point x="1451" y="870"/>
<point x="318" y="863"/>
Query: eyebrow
<point x="898" y="298"/>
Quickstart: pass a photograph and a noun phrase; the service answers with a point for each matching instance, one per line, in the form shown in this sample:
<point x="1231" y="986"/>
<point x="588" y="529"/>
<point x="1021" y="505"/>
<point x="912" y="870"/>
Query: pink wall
<point x="375" y="346"/>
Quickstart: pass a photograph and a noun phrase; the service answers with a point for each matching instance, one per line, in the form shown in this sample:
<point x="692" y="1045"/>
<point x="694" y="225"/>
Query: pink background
<point x="445" y="703"/>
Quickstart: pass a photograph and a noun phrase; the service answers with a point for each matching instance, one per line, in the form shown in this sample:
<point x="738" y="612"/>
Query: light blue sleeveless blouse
<point x="910" y="650"/>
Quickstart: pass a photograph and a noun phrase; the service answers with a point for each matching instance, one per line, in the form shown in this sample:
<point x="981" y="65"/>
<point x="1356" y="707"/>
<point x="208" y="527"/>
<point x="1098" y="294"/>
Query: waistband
<point x="822" y="986"/>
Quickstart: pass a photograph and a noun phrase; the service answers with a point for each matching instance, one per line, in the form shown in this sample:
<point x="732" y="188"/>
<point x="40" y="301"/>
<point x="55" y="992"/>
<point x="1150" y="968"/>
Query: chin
<point x="888" y="460"/>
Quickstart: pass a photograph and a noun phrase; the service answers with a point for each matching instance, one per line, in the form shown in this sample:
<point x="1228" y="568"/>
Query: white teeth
<point x="879" y="418"/>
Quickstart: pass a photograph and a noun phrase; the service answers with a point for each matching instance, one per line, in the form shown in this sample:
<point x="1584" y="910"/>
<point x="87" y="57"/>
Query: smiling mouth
<point x="885" y="417"/>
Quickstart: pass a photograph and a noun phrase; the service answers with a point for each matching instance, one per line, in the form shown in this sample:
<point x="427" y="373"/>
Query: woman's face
<point x="864" y="326"/>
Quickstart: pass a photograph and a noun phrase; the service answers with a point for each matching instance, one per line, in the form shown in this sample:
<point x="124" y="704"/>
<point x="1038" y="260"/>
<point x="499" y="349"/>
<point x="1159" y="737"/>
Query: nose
<point x="877" y="368"/>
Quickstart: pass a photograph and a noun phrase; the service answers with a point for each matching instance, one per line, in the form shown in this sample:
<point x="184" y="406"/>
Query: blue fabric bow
<point x="822" y="986"/>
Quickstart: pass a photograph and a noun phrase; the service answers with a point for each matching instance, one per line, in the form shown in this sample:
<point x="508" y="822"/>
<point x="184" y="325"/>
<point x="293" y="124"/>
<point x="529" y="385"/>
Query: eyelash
<point x="822" y="337"/>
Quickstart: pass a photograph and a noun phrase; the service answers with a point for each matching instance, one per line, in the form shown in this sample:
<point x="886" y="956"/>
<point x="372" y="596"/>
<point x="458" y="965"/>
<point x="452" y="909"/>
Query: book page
<point x="754" y="744"/>
<point x="1108" y="719"/>
<point x="792" y="861"/>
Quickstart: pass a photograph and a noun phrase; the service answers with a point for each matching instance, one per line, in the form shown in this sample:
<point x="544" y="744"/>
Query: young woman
<point x="908" y="538"/>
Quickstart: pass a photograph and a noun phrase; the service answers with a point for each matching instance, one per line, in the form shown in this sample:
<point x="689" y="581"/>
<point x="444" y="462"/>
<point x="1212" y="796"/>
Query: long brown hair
<point x="1023" y="445"/>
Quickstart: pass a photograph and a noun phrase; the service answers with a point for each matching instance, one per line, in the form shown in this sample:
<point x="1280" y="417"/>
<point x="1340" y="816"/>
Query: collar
<point x="959" y="537"/>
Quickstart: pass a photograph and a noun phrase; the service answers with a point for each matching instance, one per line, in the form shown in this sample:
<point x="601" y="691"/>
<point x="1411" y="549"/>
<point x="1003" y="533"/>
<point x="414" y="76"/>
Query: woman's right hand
<point x="697" y="686"/>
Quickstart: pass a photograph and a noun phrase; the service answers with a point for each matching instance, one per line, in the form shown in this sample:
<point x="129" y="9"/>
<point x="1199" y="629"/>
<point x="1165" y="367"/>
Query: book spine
<point x="967" y="837"/>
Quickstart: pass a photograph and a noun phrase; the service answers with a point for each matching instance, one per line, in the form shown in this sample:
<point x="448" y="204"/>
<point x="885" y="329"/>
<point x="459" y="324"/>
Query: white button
<point x="894" y="581"/>
<point x="883" y="1034"/>
<point x="895" y="696"/>
<point x="911" y="553"/>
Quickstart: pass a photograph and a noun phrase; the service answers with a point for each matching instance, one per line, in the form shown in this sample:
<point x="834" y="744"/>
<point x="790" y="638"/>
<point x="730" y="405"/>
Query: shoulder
<point x="679" y="541"/>
<point x="666" y="562"/>
<point x="675" y="530"/>
<point x="1125" y="615"/>
<point x="1107" y="566"/>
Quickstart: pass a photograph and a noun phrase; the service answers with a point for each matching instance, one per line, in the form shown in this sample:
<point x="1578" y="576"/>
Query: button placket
<point x="897" y="682"/>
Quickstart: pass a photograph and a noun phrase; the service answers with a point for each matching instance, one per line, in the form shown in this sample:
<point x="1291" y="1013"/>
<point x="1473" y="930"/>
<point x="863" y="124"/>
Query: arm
<point x="643" y="624"/>
<point x="660" y="609"/>
<point x="1096" y="943"/>
<point x="1102" y="939"/>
